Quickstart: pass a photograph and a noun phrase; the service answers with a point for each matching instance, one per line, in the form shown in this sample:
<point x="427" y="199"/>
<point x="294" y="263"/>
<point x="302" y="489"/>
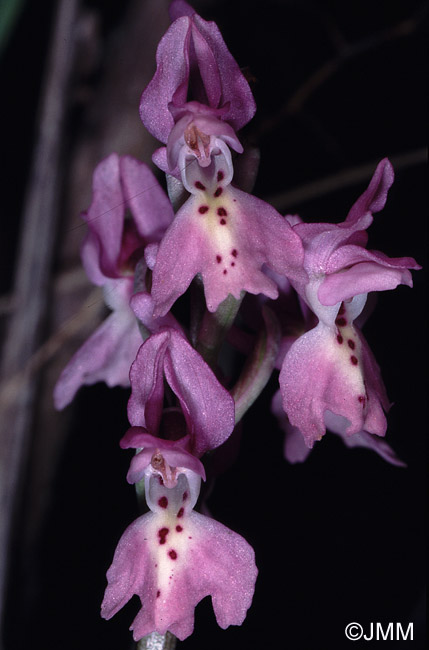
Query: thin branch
<point x="347" y="178"/>
<point x="11" y="386"/>
<point x="324" y="72"/>
<point x="31" y="285"/>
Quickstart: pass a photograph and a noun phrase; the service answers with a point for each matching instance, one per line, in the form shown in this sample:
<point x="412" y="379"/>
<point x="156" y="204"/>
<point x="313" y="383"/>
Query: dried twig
<point x="346" y="53"/>
<point x="347" y="178"/>
<point x="31" y="286"/>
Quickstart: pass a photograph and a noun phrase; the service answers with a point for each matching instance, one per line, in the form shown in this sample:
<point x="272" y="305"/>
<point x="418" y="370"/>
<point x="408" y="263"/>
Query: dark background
<point x="340" y="538"/>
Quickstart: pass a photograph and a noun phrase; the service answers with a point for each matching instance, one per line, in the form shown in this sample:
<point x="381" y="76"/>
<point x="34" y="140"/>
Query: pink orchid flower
<point x="128" y="211"/>
<point x="172" y="557"/>
<point x="331" y="369"/>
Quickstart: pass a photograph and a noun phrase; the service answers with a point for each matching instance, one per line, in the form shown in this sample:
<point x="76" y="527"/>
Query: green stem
<point x="214" y="327"/>
<point x="258" y="367"/>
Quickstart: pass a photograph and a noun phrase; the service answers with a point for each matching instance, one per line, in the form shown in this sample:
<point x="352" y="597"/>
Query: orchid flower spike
<point x="128" y="211"/>
<point x="172" y="557"/>
<point x="330" y="369"/>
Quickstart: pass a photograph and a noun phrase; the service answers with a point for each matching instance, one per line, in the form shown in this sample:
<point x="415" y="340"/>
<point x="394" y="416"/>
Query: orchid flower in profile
<point x="331" y="369"/>
<point x="128" y="211"/>
<point x="172" y="557"/>
<point x="205" y="405"/>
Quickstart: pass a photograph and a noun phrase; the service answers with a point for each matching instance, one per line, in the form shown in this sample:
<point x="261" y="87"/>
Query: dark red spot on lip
<point x="234" y="252"/>
<point x="232" y="263"/>
<point x="180" y="513"/>
<point x="162" y="534"/>
<point x="163" y="502"/>
<point x="354" y="360"/>
<point x="361" y="399"/>
<point x="340" y="321"/>
<point x="218" y="192"/>
<point x="158" y="593"/>
<point x="200" y="186"/>
<point x="351" y="344"/>
<point x="185" y="496"/>
<point x="179" y="529"/>
<point x="203" y="209"/>
<point x="172" y="554"/>
<point x="220" y="176"/>
<point x="225" y="271"/>
<point x="218" y="259"/>
<point x="340" y="339"/>
<point x="222" y="222"/>
<point x="222" y="212"/>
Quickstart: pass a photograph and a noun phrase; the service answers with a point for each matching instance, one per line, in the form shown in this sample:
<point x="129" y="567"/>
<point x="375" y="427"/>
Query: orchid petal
<point x="180" y="8"/>
<point x="207" y="406"/>
<point x="295" y="449"/>
<point x="146" y="199"/>
<point x="192" y="56"/>
<point x="105" y="356"/>
<point x="170" y="80"/>
<point x="375" y="196"/>
<point x="105" y="216"/>
<point x="235" y="90"/>
<point x="146" y="377"/>
<point x="338" y="425"/>
<point x="360" y="279"/>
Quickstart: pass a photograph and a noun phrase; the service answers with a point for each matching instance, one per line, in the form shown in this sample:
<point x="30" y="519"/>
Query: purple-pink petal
<point x="114" y="243"/>
<point x="193" y="43"/>
<point x="143" y="306"/>
<point x="235" y="91"/>
<point x="105" y="356"/>
<point x="377" y="444"/>
<point x="147" y="201"/>
<point x="146" y="377"/>
<point x="170" y="80"/>
<point x="359" y="279"/>
<point x="375" y="196"/>
<point x="101" y="247"/>
<point x="180" y="8"/>
<point x="207" y="406"/>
